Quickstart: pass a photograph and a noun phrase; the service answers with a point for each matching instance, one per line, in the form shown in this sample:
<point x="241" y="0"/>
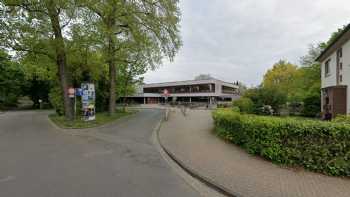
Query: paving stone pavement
<point x="191" y="140"/>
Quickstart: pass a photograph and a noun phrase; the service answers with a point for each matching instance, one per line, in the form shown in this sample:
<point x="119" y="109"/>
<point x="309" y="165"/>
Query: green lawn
<point x="101" y="119"/>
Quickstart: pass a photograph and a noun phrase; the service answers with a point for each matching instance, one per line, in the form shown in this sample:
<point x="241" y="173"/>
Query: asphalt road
<point x="38" y="160"/>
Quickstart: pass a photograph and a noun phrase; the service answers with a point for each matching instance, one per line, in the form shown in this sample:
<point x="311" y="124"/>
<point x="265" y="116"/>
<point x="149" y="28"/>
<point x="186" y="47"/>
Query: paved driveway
<point x="38" y="160"/>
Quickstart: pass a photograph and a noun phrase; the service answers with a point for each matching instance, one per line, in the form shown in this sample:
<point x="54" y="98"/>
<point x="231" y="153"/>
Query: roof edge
<point x="346" y="29"/>
<point x="202" y="80"/>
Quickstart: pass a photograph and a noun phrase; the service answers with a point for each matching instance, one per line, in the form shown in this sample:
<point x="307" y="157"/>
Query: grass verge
<point x="101" y="119"/>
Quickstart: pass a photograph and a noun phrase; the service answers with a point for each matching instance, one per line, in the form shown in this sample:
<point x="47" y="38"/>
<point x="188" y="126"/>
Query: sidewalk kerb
<point x="191" y="172"/>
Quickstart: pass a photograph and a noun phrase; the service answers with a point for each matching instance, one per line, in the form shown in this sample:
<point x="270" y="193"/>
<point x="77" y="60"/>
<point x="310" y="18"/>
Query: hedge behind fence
<point x="316" y="145"/>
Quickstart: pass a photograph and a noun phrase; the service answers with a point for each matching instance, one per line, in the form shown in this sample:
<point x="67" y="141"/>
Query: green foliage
<point x="335" y="35"/>
<point x="312" y="105"/>
<point x="37" y="89"/>
<point x="262" y="96"/>
<point x="56" y="100"/>
<point x="101" y="119"/>
<point x="102" y="91"/>
<point x="284" y="77"/>
<point x="235" y="109"/>
<point x="244" y="104"/>
<point x="11" y="80"/>
<point x="298" y="84"/>
<point x="316" y="145"/>
<point x="132" y="34"/>
<point x="342" y="119"/>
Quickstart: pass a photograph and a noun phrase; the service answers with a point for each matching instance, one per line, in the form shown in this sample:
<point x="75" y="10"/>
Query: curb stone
<point x="205" y="180"/>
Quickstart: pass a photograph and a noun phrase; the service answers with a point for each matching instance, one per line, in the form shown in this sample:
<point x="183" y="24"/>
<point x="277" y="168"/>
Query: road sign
<point x="78" y="92"/>
<point x="165" y="92"/>
<point x="71" y="92"/>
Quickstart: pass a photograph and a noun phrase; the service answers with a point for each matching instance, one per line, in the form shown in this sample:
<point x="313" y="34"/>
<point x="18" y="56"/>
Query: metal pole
<point x="75" y="106"/>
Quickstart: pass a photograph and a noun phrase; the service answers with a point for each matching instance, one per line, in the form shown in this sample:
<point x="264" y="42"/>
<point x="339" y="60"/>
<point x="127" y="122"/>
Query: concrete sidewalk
<point x="191" y="141"/>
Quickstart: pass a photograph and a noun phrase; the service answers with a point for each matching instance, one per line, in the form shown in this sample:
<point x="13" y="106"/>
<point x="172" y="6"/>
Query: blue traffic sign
<point x="78" y="92"/>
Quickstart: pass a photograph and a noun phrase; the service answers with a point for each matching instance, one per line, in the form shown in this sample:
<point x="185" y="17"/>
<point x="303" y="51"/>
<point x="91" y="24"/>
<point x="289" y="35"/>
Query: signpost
<point x="71" y="92"/>
<point x="166" y="95"/>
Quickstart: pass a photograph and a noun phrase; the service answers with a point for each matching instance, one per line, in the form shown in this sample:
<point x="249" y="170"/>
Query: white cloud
<point x="240" y="40"/>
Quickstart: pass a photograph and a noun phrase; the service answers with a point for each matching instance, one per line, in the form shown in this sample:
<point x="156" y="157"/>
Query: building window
<point x="228" y="90"/>
<point x="340" y="78"/>
<point x="341" y="66"/>
<point x="340" y="52"/>
<point x="326" y="67"/>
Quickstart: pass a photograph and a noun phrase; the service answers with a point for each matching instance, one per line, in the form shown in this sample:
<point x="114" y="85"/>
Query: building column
<point x="144" y="100"/>
<point x="190" y="99"/>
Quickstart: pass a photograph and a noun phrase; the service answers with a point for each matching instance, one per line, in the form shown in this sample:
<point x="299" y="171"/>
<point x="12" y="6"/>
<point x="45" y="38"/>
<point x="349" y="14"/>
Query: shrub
<point x="312" y="106"/>
<point x="235" y="109"/>
<point x="56" y="100"/>
<point x="245" y="105"/>
<point x="315" y="145"/>
<point x="342" y="119"/>
<point x="266" y="96"/>
<point x="265" y="110"/>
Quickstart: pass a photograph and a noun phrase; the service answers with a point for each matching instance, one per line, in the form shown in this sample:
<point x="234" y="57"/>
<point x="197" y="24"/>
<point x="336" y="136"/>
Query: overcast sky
<point x="241" y="39"/>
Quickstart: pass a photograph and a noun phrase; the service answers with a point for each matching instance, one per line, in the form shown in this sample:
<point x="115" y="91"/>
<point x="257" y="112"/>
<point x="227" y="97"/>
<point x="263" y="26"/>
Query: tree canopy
<point x="110" y="43"/>
<point x="289" y="83"/>
<point x="283" y="76"/>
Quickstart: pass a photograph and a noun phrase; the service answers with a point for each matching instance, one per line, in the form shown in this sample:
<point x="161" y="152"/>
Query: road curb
<point x="193" y="173"/>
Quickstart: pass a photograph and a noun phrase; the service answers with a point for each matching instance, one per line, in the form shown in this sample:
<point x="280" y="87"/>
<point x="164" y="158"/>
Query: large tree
<point x="11" y="80"/>
<point x="283" y="76"/>
<point x="152" y="25"/>
<point x="38" y="27"/>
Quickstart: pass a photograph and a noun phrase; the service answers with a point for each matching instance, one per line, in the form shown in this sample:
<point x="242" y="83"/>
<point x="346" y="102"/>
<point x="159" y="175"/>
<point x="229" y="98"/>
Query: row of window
<point x="201" y="88"/>
<point x="327" y="71"/>
<point x="339" y="63"/>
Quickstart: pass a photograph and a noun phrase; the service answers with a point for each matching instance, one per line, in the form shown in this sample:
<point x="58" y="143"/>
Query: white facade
<point x="330" y="80"/>
<point x="218" y="87"/>
<point x="214" y="90"/>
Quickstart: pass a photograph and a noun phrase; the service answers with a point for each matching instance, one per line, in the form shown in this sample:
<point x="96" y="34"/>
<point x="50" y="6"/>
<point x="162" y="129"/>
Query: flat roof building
<point x="209" y="90"/>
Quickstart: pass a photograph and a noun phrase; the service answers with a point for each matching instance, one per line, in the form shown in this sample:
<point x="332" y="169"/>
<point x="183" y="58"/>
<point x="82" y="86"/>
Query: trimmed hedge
<point x="316" y="145"/>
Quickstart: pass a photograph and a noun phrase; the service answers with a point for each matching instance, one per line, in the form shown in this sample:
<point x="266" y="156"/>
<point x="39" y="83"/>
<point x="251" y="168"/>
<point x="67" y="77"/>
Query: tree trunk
<point x="125" y="94"/>
<point x="111" y="23"/>
<point x="112" y="76"/>
<point x="61" y="59"/>
<point x="127" y="78"/>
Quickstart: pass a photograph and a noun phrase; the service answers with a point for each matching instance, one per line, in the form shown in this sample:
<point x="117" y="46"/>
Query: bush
<point x="245" y="105"/>
<point x="265" y="110"/>
<point x="315" y="145"/>
<point x="266" y="96"/>
<point x="56" y="100"/>
<point x="235" y="109"/>
<point x="342" y="119"/>
<point x="312" y="106"/>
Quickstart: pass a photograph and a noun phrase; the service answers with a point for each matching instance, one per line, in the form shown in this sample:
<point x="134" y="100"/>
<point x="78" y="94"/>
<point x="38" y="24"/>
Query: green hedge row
<point x="316" y="145"/>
